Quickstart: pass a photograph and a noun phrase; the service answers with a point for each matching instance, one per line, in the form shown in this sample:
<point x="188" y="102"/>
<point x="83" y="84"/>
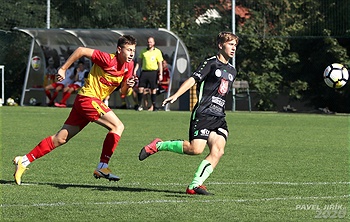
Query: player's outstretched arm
<point x="183" y="88"/>
<point x="77" y="54"/>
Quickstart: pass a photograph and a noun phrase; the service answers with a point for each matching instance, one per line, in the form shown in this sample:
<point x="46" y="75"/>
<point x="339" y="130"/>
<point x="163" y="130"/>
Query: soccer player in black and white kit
<point x="214" y="78"/>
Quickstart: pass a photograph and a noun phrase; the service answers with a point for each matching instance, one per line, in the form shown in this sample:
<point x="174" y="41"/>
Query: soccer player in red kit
<point x="109" y="72"/>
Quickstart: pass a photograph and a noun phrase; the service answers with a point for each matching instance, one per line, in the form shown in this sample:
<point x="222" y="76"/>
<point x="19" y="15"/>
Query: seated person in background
<point x="79" y="81"/>
<point x="50" y="72"/>
<point x="58" y="86"/>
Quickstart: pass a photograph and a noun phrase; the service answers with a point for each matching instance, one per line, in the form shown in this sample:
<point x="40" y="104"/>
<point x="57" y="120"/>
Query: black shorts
<point x="148" y="79"/>
<point x="200" y="128"/>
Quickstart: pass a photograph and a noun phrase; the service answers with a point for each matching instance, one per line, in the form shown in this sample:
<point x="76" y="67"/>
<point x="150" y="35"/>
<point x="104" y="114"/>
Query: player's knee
<point x="218" y="153"/>
<point x="121" y="126"/>
<point x="117" y="128"/>
<point x="221" y="152"/>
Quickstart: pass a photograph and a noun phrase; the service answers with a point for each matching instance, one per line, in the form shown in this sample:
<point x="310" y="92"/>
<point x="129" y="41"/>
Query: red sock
<point x="65" y="97"/>
<point x="48" y="94"/>
<point x="54" y="96"/>
<point x="109" y="145"/>
<point x="44" y="147"/>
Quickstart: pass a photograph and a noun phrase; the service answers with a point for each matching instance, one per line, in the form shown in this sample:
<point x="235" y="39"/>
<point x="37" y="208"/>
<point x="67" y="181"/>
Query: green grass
<point x="274" y="165"/>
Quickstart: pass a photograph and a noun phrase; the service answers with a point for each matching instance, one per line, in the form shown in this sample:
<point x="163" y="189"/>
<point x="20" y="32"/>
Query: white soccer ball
<point x="336" y="76"/>
<point x="32" y="101"/>
<point x="10" y="102"/>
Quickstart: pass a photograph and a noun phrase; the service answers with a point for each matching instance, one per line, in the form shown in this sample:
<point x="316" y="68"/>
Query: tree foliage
<point x="284" y="45"/>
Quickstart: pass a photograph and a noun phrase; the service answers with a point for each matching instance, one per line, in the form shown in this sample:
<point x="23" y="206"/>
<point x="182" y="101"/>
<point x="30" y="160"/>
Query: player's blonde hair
<point x="226" y="37"/>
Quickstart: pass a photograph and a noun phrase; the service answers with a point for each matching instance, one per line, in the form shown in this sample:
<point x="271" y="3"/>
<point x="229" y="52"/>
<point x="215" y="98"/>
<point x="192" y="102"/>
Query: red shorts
<point x="74" y="86"/>
<point x="57" y="84"/>
<point x="86" y="109"/>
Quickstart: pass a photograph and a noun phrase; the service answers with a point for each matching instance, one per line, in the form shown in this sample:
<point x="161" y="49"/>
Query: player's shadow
<point x="98" y="187"/>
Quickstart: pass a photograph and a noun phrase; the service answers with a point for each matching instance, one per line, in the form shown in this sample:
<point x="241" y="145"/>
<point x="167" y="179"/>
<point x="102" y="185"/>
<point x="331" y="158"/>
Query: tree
<point x="275" y="57"/>
<point x="22" y="13"/>
<point x="284" y="45"/>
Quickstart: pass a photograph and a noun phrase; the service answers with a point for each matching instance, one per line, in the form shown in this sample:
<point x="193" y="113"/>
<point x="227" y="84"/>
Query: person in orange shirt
<point x="109" y="72"/>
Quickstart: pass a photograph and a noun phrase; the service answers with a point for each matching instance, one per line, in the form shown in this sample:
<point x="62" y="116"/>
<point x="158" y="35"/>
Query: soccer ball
<point x="336" y="76"/>
<point x="11" y="102"/>
<point x="32" y="101"/>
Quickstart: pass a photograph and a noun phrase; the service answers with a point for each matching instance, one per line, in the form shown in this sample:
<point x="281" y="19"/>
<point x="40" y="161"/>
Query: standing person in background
<point x="78" y="83"/>
<point x="164" y="84"/>
<point x="108" y="73"/>
<point x="214" y="78"/>
<point x="150" y="61"/>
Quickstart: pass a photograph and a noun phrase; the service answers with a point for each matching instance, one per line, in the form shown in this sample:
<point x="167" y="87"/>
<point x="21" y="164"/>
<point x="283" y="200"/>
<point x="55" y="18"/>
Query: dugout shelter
<point x="58" y="44"/>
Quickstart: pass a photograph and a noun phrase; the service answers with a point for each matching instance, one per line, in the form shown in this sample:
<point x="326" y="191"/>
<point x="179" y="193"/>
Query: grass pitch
<point x="276" y="167"/>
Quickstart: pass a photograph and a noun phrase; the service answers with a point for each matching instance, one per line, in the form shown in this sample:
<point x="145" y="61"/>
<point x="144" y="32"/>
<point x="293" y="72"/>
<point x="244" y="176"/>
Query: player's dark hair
<point x="126" y="40"/>
<point x="226" y="37"/>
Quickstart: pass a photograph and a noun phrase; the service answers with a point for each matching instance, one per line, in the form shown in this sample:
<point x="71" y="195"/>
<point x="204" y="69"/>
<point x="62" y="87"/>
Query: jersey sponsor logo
<point x="218" y="101"/>
<point x="195" y="133"/>
<point x="215" y="108"/>
<point x="223" y="88"/>
<point x="108" y="83"/>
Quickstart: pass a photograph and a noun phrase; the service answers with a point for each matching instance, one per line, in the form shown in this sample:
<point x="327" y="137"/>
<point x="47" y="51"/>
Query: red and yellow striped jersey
<point x="105" y="75"/>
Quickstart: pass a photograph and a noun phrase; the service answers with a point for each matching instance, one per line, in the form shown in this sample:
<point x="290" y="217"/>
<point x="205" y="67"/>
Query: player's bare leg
<point x="45" y="146"/>
<point x="216" y="145"/>
<point x="111" y="122"/>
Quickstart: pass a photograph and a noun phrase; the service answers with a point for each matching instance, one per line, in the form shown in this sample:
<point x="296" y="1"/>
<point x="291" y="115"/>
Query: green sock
<point x="175" y="146"/>
<point x="203" y="172"/>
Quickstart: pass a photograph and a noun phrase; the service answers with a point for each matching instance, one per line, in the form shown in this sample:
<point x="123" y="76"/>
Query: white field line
<point x="208" y="183"/>
<point x="262" y="183"/>
<point x="188" y="201"/>
<point x="59" y="204"/>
